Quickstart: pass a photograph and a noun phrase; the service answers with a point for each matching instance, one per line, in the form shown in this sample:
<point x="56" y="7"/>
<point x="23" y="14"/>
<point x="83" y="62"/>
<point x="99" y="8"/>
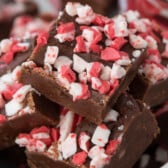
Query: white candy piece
<point x="83" y="140"/>
<point x="95" y="151"/>
<point x="22" y="142"/>
<point x="22" y="92"/>
<point x="120" y="26"/>
<point x="62" y="60"/>
<point x="144" y="160"/>
<point x="51" y="54"/>
<point x="112" y="115"/>
<point x="79" y="64"/>
<point x="117" y="72"/>
<point x="7" y="79"/>
<point x="98" y="157"/>
<point x="101" y="135"/>
<point x="40" y="146"/>
<point x="152" y="43"/>
<point x="65" y="124"/>
<point x="69" y="146"/>
<point x="29" y="64"/>
<point x="99" y="162"/>
<point x="165" y="165"/>
<point x="83" y="77"/>
<point x="64" y="36"/>
<point x="26" y="45"/>
<point x="96" y="83"/>
<point x="71" y="8"/>
<point x="136" y="53"/>
<point x="137" y="41"/>
<point x="41" y="135"/>
<point x="85" y="15"/>
<point x="75" y="90"/>
<point x="63" y="81"/>
<point x="132" y="16"/>
<point x="124" y="61"/>
<point x="105" y="73"/>
<point x="12" y="107"/>
<point x="161" y="155"/>
<point x="5" y="45"/>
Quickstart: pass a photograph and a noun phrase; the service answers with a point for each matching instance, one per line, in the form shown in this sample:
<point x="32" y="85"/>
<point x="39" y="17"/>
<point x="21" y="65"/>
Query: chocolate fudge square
<point x="22" y="115"/>
<point x="117" y="142"/>
<point x="150" y="84"/>
<point x="13" y="52"/>
<point x="86" y="61"/>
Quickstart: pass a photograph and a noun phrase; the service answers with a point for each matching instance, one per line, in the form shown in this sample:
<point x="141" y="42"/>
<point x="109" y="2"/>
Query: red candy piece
<point x="95" y="69"/>
<point x="97" y="35"/>
<point x="67" y="73"/>
<point x="2" y="118"/>
<point x="112" y="146"/>
<point x="66" y="28"/>
<point x="114" y="87"/>
<point x="54" y="134"/>
<point x="95" y="48"/>
<point x="79" y="158"/>
<point x="7" y="57"/>
<point x="11" y="90"/>
<point x="42" y="129"/>
<point x="110" y="54"/>
<point x="101" y="20"/>
<point x="41" y="40"/>
<point x="110" y="31"/>
<point x="118" y="43"/>
<point x="80" y="45"/>
<point x="165" y="34"/>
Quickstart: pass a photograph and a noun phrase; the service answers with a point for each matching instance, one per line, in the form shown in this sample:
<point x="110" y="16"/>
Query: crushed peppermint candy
<point x="76" y="147"/>
<point x="101" y="135"/>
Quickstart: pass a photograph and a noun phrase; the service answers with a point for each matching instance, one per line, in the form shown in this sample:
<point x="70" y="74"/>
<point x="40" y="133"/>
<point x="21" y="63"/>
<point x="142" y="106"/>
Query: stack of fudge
<point x="84" y="95"/>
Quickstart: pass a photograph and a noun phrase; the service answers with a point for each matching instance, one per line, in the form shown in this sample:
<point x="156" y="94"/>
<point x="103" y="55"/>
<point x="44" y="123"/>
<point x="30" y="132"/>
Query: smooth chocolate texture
<point x="151" y="94"/>
<point x="95" y="107"/>
<point x="44" y="113"/>
<point x="6" y="23"/>
<point x="18" y="59"/>
<point x="140" y="128"/>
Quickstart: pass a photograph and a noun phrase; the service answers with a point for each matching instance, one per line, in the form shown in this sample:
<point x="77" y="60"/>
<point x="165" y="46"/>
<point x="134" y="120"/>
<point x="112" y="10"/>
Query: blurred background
<point x="28" y="17"/>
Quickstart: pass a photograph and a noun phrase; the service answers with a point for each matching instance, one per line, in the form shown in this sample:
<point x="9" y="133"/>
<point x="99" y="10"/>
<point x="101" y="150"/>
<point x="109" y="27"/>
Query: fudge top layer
<point x="81" y="143"/>
<point x="88" y="53"/>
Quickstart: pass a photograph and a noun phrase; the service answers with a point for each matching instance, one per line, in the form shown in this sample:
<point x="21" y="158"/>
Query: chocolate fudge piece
<point x="13" y="52"/>
<point x="99" y="6"/>
<point x="117" y="142"/>
<point x="161" y="113"/>
<point x="31" y="112"/>
<point x="84" y="66"/>
<point x="11" y="10"/>
<point x="150" y="84"/>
